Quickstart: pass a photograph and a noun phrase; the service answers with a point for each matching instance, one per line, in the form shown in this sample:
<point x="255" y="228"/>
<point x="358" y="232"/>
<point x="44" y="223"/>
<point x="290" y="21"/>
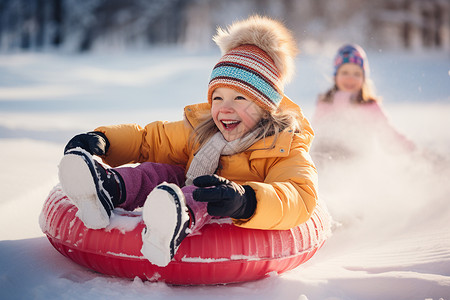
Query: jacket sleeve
<point x="387" y="132"/>
<point x="288" y="195"/>
<point x="162" y="142"/>
<point x="322" y="110"/>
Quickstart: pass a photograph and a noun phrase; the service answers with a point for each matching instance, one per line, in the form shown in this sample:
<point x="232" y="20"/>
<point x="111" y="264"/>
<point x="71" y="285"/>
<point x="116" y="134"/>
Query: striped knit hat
<point x="351" y="54"/>
<point x="257" y="61"/>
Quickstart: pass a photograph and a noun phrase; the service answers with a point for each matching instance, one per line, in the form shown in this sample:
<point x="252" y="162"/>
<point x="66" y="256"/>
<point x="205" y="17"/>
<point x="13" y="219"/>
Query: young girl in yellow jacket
<point x="243" y="154"/>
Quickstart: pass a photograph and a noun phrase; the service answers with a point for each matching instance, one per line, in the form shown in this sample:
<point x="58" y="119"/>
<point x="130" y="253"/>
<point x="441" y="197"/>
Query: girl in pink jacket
<point x="348" y="119"/>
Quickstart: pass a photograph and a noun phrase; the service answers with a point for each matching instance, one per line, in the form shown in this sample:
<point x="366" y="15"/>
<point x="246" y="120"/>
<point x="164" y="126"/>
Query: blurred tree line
<point x="94" y="24"/>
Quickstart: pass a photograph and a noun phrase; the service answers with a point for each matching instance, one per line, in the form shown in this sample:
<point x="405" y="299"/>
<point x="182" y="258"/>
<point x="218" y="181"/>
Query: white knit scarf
<point x="206" y="160"/>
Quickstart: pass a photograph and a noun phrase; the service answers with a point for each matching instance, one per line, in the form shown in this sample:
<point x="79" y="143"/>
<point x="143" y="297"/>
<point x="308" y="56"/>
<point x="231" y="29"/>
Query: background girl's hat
<point x="258" y="59"/>
<point x="351" y="54"/>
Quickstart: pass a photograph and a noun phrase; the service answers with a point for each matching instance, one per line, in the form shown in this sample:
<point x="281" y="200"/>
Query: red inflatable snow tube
<point x="222" y="254"/>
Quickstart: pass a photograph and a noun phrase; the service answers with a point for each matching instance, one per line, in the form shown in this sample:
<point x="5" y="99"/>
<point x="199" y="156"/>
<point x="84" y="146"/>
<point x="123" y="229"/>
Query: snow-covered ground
<point x="391" y="239"/>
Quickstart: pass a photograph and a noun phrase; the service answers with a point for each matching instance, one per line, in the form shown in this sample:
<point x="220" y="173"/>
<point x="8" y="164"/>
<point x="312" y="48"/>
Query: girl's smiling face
<point x="349" y="78"/>
<point x="233" y="113"/>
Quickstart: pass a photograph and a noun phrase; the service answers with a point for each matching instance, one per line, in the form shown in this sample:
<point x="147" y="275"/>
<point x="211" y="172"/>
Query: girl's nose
<point x="227" y="107"/>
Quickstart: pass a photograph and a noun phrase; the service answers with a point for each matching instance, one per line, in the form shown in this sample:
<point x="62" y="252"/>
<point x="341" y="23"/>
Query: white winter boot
<point x="166" y="218"/>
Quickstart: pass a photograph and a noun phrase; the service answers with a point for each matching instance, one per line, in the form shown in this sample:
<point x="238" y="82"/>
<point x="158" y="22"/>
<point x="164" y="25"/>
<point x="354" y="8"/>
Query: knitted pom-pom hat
<point x="351" y="54"/>
<point x="258" y="59"/>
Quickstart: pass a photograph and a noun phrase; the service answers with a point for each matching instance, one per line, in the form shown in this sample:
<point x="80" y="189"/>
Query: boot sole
<point x="164" y="214"/>
<point x="77" y="181"/>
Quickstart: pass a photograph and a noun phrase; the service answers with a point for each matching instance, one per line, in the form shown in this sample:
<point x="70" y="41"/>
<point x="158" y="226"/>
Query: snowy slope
<point x="391" y="239"/>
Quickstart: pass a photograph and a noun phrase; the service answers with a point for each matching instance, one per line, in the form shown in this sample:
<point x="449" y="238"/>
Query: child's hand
<point x="93" y="142"/>
<point x="225" y="198"/>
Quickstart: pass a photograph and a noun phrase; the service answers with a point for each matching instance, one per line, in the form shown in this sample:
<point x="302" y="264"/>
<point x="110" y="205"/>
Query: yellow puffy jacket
<point x="282" y="173"/>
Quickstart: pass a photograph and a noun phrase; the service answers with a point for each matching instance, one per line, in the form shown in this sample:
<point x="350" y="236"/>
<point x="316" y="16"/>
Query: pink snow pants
<point x="142" y="179"/>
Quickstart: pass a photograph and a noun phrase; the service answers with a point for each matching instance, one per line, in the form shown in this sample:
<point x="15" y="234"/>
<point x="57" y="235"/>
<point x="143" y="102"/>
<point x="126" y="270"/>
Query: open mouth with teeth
<point x="230" y="125"/>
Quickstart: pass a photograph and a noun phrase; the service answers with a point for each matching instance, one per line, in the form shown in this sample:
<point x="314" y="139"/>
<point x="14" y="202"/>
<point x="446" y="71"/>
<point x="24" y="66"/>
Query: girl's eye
<point x="240" y="98"/>
<point x="217" y="98"/>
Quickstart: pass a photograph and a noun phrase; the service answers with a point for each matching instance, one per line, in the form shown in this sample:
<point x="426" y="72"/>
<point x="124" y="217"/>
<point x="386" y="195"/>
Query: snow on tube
<point x="221" y="254"/>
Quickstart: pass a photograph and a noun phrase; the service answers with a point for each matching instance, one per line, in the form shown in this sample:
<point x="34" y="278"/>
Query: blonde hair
<point x="272" y="124"/>
<point x="366" y="94"/>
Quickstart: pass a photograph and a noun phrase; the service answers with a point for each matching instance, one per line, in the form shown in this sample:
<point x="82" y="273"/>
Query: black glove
<point x="94" y="142"/>
<point x="225" y="198"/>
